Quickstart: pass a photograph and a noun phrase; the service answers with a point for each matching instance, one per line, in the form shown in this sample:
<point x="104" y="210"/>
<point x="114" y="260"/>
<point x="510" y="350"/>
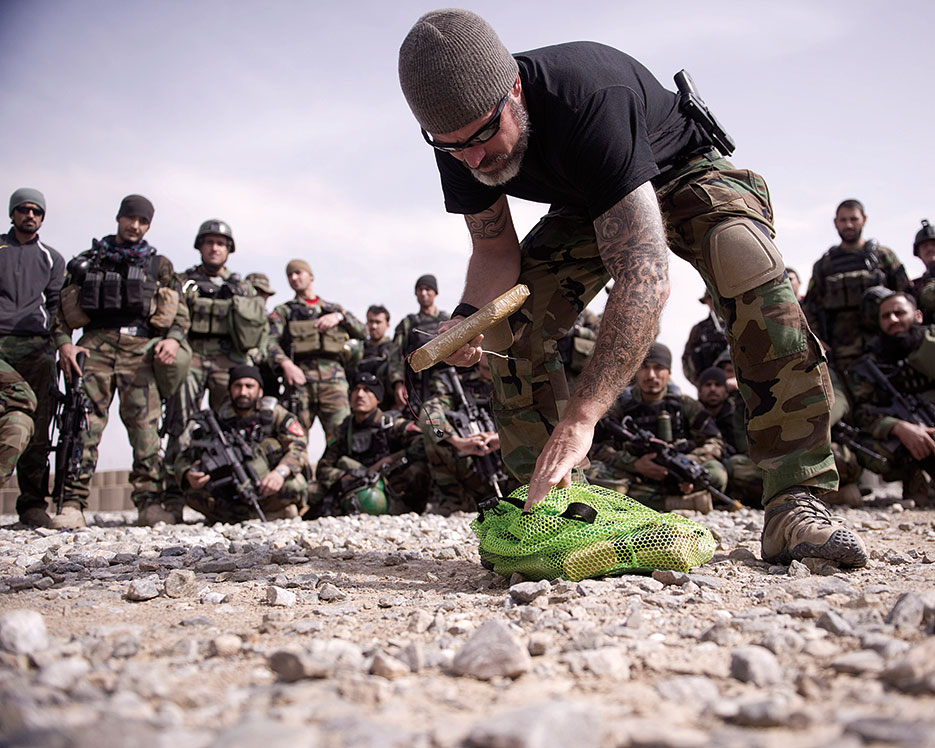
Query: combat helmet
<point x="925" y="234"/>
<point x="870" y="304"/>
<point x="214" y="226"/>
<point x="369" y="499"/>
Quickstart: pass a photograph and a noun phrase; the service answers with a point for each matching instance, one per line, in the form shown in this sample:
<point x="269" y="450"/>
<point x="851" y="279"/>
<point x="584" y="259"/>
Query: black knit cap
<point x="659" y="354"/>
<point x="136" y="205"/>
<point x="245" y="371"/>
<point x="713" y="374"/>
<point x="370" y="382"/>
<point x="428" y="281"/>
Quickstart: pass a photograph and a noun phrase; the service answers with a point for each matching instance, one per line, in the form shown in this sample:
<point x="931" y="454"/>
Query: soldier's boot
<point x="917" y="488"/>
<point x="698" y="501"/>
<point x="797" y="525"/>
<point x="290" y="511"/>
<point x="153" y="512"/>
<point x="35" y="516"/>
<point x="847" y="495"/>
<point x="70" y="518"/>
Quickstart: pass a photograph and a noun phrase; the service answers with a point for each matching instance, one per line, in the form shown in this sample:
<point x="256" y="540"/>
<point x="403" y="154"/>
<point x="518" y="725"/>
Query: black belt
<point x="137" y="331"/>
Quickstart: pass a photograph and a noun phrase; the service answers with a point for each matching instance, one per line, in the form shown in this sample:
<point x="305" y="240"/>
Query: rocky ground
<point x="386" y="631"/>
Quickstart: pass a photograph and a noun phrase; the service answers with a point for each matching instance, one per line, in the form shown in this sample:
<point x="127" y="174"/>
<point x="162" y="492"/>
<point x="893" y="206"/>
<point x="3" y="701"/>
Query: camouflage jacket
<point x="275" y="436"/>
<point x="914" y="374"/>
<point x="414" y="331"/>
<point x="377" y="436"/>
<point x="326" y="363"/>
<point x="446" y="413"/>
<point x="166" y="281"/>
<point x="923" y="288"/>
<point x="690" y="421"/>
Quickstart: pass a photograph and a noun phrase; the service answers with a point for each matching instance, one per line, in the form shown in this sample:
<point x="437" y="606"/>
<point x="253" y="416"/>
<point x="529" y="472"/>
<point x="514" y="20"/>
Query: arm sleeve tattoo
<point x="490" y="223"/>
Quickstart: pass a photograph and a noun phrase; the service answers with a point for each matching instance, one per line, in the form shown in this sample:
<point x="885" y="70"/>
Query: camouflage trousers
<point x="780" y="367"/>
<point x="123" y="365"/>
<point x="324" y="395"/>
<point x="17" y="407"/>
<point x="294" y="492"/>
<point x="651" y="493"/>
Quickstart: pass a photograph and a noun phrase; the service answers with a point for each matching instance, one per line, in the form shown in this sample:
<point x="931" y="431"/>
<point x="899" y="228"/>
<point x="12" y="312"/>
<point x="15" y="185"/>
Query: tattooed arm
<point x="492" y="270"/>
<point x="632" y="244"/>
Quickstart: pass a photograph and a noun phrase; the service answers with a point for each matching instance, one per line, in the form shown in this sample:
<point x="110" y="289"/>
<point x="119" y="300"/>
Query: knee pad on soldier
<point x="741" y="257"/>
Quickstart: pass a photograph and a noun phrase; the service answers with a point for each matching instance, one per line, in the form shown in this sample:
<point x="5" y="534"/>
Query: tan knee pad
<point x="741" y="257"/>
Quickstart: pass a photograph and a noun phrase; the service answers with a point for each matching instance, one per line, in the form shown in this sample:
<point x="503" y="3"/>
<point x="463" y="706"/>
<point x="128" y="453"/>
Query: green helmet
<point x="215" y="226"/>
<point x="371" y="499"/>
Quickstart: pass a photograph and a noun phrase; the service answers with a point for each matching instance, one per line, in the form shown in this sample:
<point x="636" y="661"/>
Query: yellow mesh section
<point x="623" y="537"/>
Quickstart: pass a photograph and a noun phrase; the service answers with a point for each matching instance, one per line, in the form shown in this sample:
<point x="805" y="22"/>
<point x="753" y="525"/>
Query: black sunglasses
<point x="490" y="128"/>
<point x="24" y="210"/>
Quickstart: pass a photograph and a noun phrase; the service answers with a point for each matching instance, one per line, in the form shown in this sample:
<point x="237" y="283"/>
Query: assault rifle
<point x="844" y="433"/>
<point x="640" y="441"/>
<point x="225" y="457"/>
<point x="71" y="418"/>
<point x="469" y="419"/>
<point x="907" y="407"/>
<point x="291" y="400"/>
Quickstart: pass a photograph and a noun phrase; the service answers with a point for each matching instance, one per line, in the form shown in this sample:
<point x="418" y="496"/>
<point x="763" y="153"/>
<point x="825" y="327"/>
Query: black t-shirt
<point x="601" y="125"/>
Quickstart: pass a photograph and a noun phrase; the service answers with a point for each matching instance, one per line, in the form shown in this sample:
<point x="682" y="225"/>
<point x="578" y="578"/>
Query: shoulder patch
<point x="295" y="428"/>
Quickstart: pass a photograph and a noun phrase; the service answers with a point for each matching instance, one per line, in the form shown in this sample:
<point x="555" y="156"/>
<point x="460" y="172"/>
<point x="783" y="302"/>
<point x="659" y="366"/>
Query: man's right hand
<point x="917" y="439"/>
<point x="469" y="353"/>
<point x="196" y="479"/>
<point x="68" y="358"/>
<point x="645" y="466"/>
<point x="292" y="374"/>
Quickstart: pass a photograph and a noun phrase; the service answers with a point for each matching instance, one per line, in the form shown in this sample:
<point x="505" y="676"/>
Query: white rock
<point x="23" y="631"/>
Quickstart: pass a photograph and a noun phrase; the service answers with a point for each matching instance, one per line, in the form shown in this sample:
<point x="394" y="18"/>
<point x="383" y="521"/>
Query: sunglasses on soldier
<point x="27" y="209"/>
<point x="490" y="128"/>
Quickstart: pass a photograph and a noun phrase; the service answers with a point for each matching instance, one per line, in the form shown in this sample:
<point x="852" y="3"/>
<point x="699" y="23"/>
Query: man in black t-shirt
<point x="588" y="130"/>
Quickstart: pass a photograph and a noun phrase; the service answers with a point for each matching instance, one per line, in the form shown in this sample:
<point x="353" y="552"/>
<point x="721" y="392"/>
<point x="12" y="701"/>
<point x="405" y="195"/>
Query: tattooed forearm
<point x="490" y="223"/>
<point x="632" y="243"/>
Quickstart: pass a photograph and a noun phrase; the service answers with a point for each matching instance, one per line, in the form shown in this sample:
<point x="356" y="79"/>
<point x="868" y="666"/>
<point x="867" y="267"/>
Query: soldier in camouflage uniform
<point x="706" y="342"/>
<point x="464" y="458"/>
<point x="126" y="297"/>
<point x="271" y="383"/>
<point x="228" y="328"/>
<point x="839" y="279"/>
<point x="924" y="286"/>
<point x="370" y="441"/>
<point x="308" y="336"/>
<point x="415" y="330"/>
<point x="380" y="356"/>
<point x="657" y="406"/>
<point x="278" y="447"/>
<point x="588" y="130"/>
<point x="30" y="285"/>
<point x="904" y="351"/>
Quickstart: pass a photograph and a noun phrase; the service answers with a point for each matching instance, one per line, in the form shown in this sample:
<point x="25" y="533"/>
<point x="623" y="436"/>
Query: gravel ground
<point x="386" y="631"/>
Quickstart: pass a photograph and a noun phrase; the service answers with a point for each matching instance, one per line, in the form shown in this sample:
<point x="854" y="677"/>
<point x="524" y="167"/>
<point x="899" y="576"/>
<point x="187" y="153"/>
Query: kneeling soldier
<point x="377" y="462"/>
<point x="256" y="433"/>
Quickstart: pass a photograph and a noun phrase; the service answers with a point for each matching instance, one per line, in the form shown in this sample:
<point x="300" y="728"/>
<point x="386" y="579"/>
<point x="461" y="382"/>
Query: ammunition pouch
<point x="247" y="321"/>
<point x="306" y="339"/>
<point x="75" y="316"/>
<point x="123" y="287"/>
<point x="847" y="275"/>
<point x="210" y="316"/>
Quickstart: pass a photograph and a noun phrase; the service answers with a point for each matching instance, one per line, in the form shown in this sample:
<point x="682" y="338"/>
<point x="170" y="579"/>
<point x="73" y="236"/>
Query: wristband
<point x="284" y="471"/>
<point x="464" y="310"/>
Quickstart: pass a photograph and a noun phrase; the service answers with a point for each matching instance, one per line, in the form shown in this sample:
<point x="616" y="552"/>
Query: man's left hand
<point x="271" y="483"/>
<point x="326" y="321"/>
<point x="166" y="350"/>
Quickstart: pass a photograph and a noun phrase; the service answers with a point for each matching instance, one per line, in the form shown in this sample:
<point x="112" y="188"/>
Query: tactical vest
<point x="428" y="329"/>
<point x="258" y="430"/>
<point x="374" y="360"/>
<point x="707" y="346"/>
<point x="369" y="441"/>
<point x="646" y="414"/>
<point x="306" y="340"/>
<point x="119" y="291"/>
<point x="210" y="305"/>
<point x="846" y="275"/>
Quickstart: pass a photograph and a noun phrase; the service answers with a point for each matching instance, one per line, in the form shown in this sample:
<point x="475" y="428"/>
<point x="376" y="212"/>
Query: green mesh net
<point x="587" y="531"/>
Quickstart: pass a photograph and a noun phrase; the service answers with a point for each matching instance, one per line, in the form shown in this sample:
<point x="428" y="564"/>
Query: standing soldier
<point x="706" y="342"/>
<point x="30" y="285"/>
<point x="839" y="279"/>
<point x="271" y="386"/>
<point x="307" y="340"/>
<point x="924" y="286"/>
<point x="417" y="329"/>
<point x="228" y="328"/>
<point x="126" y="297"/>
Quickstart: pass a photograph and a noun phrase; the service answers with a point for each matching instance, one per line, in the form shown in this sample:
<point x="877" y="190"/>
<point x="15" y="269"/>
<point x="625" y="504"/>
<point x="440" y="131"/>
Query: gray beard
<point x="510" y="163"/>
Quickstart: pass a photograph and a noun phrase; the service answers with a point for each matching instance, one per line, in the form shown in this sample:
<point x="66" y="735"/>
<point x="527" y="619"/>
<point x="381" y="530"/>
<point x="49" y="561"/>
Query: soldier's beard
<point x="898" y="347"/>
<point x="244" y="403"/>
<point x="508" y="164"/>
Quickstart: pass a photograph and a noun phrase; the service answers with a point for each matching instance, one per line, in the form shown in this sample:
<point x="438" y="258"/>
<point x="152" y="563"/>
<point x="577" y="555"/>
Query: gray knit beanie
<point x="453" y="68"/>
<point x="27" y="195"/>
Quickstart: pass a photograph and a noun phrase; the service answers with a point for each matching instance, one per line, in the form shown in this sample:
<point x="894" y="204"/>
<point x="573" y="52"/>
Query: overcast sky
<point x="286" y="120"/>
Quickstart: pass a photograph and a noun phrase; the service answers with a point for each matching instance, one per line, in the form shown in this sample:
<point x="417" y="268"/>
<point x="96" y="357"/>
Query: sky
<point x="285" y="119"/>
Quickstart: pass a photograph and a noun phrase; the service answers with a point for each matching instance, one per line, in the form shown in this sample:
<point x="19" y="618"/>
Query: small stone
<point x="539" y="642"/>
<point x="226" y="645"/>
<point x="670" y="577"/>
<point x="420" y="620"/>
<point x="907" y="613"/>
<point x="757" y="665"/>
<point x="526" y="592"/>
<point x="492" y="652"/>
<point x="180" y="583"/>
<point x="770" y="712"/>
<point x="23" y="631"/>
<point x="141" y="590"/>
<point x="913" y="672"/>
<point x="804" y="608"/>
<point x="891" y="731"/>
<point x="215" y="598"/>
<point x="687" y="689"/>
<point x="196" y="621"/>
<point x="63" y="674"/>
<point x="820" y="566"/>
<point x="557" y="723"/>
<point x="783" y="641"/>
<point x="414" y="656"/>
<point x="389" y="667"/>
<point x="292" y="666"/>
<point x="329" y="593"/>
<point x="831" y="621"/>
<point x="798" y="569"/>
<point x="742" y="554"/>
<point x="280" y="597"/>
<point x="858" y="663"/>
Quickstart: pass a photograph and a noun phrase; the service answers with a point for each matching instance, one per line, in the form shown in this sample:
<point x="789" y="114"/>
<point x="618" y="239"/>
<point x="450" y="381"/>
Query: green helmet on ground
<point x="372" y="499"/>
<point x="215" y="226"/>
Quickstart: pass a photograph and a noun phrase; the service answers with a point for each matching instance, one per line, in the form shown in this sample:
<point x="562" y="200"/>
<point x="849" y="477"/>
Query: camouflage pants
<point x="121" y="364"/>
<point x="324" y="395"/>
<point x="651" y="493"/>
<point x="219" y="509"/>
<point x="780" y="367"/>
<point x="17" y="407"/>
<point x="32" y="359"/>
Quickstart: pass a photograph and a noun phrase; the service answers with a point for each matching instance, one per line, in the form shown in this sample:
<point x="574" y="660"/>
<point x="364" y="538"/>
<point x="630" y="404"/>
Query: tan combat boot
<point x="71" y="517"/>
<point x="155" y="512"/>
<point x="698" y="501"/>
<point x="797" y="525"/>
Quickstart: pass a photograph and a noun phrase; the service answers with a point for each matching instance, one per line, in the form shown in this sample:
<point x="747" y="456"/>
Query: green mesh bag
<point x="586" y="531"/>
